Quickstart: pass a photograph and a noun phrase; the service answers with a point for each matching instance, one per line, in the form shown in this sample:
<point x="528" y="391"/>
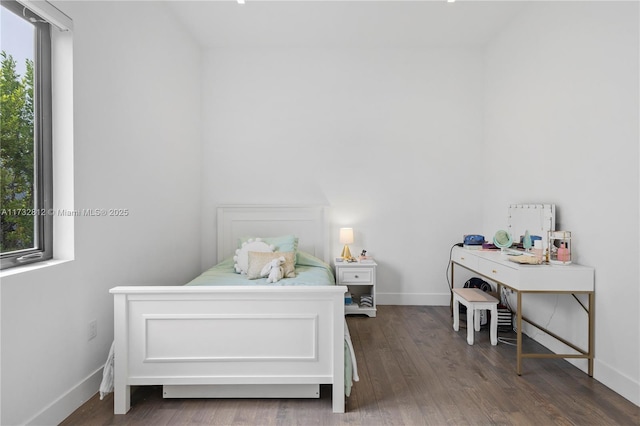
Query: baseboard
<point x="66" y="404"/>
<point x="409" y="299"/>
<point x="616" y="381"/>
<point x="602" y="372"/>
<point x="554" y="346"/>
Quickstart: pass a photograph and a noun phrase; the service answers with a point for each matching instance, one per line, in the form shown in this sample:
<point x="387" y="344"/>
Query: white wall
<point x="416" y="147"/>
<point x="136" y="146"/>
<point x="388" y="138"/>
<point x="401" y="143"/>
<point x="561" y="123"/>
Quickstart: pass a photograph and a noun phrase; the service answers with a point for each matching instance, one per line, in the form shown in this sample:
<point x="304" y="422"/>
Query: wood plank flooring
<point x="414" y="370"/>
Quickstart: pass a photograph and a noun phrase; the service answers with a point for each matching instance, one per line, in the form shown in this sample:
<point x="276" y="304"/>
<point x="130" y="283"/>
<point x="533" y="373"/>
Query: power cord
<point x="504" y="299"/>
<point x="507" y="340"/>
<point x="546" y="326"/>
<point x="449" y="265"/>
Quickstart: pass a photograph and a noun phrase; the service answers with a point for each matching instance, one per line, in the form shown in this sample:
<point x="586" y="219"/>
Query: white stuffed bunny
<point x="274" y="270"/>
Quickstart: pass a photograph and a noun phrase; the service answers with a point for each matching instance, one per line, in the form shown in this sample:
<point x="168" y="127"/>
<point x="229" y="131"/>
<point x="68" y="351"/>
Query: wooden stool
<point x="475" y="300"/>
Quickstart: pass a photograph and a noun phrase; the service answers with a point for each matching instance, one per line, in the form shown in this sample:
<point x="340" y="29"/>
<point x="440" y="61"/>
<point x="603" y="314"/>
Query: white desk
<point x="568" y="279"/>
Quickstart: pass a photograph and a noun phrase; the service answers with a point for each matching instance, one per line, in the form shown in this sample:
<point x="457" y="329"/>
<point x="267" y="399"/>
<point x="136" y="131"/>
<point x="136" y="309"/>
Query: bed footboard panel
<point x="228" y="336"/>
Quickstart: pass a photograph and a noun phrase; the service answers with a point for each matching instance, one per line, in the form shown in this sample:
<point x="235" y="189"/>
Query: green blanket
<point x="309" y="271"/>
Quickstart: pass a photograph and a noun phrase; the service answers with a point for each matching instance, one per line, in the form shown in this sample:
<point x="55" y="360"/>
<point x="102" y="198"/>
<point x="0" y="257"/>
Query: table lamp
<point x="346" y="238"/>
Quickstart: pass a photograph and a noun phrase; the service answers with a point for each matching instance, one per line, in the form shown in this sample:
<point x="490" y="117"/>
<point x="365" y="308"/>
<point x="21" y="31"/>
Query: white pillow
<point x="241" y="258"/>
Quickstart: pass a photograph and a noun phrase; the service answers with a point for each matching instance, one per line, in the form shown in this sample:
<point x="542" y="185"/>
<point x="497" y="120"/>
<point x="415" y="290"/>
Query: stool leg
<point x="471" y="314"/>
<point x="476" y="320"/>
<point x="456" y="313"/>
<point x="494" y="325"/>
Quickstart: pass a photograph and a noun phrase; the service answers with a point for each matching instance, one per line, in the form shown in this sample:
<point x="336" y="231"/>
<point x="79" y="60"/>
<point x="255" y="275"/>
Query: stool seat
<point x="475" y="300"/>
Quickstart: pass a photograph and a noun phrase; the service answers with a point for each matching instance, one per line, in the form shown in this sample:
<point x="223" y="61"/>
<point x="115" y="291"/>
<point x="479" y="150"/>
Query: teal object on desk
<point x="526" y="241"/>
<point x="502" y="239"/>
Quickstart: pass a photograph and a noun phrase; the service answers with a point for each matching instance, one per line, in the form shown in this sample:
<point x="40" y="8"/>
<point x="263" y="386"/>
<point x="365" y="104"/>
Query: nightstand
<point x="360" y="279"/>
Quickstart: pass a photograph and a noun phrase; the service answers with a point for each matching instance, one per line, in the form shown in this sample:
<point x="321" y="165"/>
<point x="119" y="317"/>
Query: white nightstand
<point x="360" y="278"/>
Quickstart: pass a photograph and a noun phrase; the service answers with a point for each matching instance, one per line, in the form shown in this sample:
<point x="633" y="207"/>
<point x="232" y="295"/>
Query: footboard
<point x="257" y="335"/>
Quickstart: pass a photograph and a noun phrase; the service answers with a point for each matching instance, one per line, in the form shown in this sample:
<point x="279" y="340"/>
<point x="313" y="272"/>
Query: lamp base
<point x="346" y="253"/>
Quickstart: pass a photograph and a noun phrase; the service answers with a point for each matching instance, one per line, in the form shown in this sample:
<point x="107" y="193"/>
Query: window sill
<point x="32" y="267"/>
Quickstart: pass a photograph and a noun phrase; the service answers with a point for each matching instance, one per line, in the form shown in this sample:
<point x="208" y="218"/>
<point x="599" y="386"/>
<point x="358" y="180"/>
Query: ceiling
<point x="343" y="23"/>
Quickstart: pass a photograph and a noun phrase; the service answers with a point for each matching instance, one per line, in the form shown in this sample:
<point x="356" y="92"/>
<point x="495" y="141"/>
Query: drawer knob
<point x="462" y="258"/>
<point x="356" y="276"/>
<point x="494" y="271"/>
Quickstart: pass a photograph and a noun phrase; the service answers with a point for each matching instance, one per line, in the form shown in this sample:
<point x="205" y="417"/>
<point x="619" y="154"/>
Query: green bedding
<point x="309" y="271"/>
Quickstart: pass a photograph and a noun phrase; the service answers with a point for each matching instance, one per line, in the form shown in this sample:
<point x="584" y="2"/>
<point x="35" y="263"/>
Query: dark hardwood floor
<point x="414" y="370"/>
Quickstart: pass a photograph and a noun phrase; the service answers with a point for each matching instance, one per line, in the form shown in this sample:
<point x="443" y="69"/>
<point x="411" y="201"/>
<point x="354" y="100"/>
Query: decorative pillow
<point x="282" y="243"/>
<point x="257" y="261"/>
<point x="307" y="259"/>
<point x="242" y="254"/>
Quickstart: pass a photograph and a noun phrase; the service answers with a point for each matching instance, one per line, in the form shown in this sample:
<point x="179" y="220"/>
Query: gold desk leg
<point x="519" y="335"/>
<point x="592" y="316"/>
<point x="452" y="286"/>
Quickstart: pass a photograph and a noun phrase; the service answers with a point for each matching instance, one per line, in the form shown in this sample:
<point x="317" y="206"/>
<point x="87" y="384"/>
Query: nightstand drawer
<point x="355" y="276"/>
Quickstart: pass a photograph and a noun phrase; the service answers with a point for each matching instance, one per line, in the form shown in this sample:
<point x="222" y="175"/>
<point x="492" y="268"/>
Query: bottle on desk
<point x="537" y="249"/>
<point x="564" y="255"/>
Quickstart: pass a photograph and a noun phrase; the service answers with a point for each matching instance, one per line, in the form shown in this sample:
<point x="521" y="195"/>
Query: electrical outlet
<point x="93" y="329"/>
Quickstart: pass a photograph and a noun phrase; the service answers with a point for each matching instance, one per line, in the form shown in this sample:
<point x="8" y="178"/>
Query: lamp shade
<point x="346" y="235"/>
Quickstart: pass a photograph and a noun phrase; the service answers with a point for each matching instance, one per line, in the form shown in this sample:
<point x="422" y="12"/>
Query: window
<point x="26" y="187"/>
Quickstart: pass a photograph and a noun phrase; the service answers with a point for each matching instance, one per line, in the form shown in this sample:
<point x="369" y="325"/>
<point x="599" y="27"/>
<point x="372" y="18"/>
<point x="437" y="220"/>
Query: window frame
<point x="43" y="144"/>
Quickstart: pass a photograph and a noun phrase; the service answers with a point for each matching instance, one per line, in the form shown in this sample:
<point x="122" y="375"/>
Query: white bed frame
<point x="253" y="341"/>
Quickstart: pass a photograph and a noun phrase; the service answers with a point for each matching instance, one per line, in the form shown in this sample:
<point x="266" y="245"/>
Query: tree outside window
<point x="25" y="137"/>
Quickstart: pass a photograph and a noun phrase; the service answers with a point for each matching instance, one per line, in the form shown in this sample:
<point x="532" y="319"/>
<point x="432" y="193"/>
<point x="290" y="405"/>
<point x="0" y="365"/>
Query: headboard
<point x="308" y="223"/>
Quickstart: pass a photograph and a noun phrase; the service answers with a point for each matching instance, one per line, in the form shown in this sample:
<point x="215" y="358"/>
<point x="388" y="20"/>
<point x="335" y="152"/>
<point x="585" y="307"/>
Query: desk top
<point x="496" y="266"/>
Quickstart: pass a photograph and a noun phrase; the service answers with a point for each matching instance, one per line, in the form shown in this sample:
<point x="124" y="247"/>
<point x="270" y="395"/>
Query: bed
<point x="240" y="339"/>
